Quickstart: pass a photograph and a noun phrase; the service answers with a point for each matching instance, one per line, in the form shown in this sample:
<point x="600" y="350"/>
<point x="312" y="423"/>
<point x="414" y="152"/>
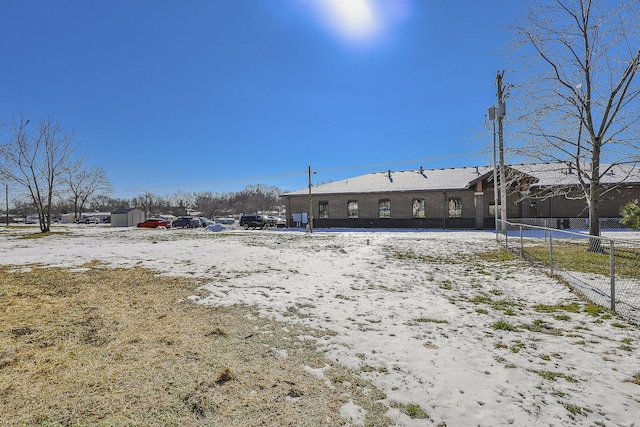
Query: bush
<point x="631" y="215"/>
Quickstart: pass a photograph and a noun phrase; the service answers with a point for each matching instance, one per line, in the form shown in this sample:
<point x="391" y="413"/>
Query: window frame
<point x="456" y="212"/>
<point x="350" y="210"/>
<point x="415" y="213"/>
<point x="323" y="209"/>
<point x="384" y="212"/>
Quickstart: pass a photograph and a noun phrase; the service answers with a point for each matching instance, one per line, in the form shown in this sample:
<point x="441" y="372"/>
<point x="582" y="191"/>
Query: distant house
<point x="127" y="217"/>
<point x="84" y="217"/>
<point x="67" y="218"/>
<point x="458" y="197"/>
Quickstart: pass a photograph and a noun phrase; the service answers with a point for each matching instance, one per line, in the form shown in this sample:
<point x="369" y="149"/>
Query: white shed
<point x="126" y="217"/>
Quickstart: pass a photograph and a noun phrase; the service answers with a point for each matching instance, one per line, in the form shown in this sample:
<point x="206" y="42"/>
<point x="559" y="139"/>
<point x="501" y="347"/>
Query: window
<point x="384" y="208"/>
<point x="492" y="209"/>
<point x="455" y="207"/>
<point x="418" y="208"/>
<point x="323" y="210"/>
<point x="352" y="209"/>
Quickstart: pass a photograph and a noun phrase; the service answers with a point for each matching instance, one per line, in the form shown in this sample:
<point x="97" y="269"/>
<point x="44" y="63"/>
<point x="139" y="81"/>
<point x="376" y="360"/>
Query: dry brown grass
<point x="125" y="347"/>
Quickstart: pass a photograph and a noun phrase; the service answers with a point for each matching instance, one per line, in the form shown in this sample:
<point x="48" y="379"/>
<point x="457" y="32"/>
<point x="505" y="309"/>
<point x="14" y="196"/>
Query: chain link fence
<point x="604" y="270"/>
<point x="570" y="223"/>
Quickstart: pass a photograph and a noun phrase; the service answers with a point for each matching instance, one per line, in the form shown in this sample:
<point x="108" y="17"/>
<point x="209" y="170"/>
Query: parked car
<point x="155" y="223"/>
<point x="87" y="220"/>
<point x="276" y="221"/>
<point x="205" y="222"/>
<point x="228" y="220"/>
<point x="186" y="222"/>
<point x="254" y="221"/>
<point x="31" y="219"/>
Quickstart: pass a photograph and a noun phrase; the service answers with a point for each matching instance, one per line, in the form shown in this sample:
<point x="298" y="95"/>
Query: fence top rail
<point x="555" y="230"/>
<point x="584" y="234"/>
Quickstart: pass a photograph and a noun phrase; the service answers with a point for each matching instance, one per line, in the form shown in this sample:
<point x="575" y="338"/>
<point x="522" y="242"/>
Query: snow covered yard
<point x="443" y="322"/>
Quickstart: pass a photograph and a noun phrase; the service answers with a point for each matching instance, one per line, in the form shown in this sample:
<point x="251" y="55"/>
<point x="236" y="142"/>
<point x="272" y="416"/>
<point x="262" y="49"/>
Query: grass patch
<point x="505" y="306"/>
<point x="575" y="409"/>
<point x="571" y="308"/>
<point x="414" y="411"/>
<point x="553" y="376"/>
<point x="40" y="235"/>
<point x="496" y="255"/>
<point x="574" y="256"/>
<point x="412" y="256"/>
<point x="109" y="347"/>
<point x="446" y="284"/>
<point x="481" y="299"/>
<point x="594" y="310"/>
<point x="501" y="325"/>
<point x="517" y="346"/>
<point x="427" y="320"/>
<point x="635" y="379"/>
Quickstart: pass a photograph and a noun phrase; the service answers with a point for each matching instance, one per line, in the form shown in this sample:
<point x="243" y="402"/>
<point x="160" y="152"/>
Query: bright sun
<point x="353" y="17"/>
<point x="355" y="20"/>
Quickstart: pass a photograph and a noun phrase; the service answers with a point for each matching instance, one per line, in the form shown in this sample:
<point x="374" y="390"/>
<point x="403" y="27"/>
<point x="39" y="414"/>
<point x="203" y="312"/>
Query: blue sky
<point x="213" y="95"/>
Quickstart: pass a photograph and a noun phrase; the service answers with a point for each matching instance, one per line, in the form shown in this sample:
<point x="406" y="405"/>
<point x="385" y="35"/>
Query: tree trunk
<point x="594" y="211"/>
<point x="594" y="202"/>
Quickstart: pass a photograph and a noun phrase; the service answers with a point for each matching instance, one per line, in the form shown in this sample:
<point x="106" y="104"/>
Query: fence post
<point x="612" y="269"/>
<point x="505" y="228"/>
<point x="521" y="244"/>
<point x="551" y="252"/>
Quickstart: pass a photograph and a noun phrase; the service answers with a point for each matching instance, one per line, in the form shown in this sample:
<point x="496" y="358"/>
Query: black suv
<point x="254" y="221"/>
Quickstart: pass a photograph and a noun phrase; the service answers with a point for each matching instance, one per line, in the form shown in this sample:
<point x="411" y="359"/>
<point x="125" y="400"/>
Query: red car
<point x="155" y="223"/>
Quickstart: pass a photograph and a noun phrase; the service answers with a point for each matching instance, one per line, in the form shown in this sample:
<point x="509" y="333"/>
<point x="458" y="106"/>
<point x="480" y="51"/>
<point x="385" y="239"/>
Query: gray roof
<point x="123" y="210"/>
<point x="407" y="180"/>
<point x="559" y="174"/>
<point x="544" y="174"/>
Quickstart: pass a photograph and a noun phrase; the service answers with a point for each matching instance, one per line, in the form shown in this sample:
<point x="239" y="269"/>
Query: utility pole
<point x="500" y="113"/>
<point x="6" y="195"/>
<point x="310" y="214"/>
<point x="492" y="117"/>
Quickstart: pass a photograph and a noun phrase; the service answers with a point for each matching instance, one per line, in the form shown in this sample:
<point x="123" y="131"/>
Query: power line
<point x="301" y="172"/>
<point x="400" y="162"/>
<point x="215" y="183"/>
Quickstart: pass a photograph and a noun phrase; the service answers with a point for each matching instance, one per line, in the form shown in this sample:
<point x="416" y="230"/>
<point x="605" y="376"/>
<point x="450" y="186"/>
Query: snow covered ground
<point x="471" y="340"/>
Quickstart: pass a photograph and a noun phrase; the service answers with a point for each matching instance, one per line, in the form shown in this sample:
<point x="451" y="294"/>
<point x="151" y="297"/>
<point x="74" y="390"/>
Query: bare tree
<point x="581" y="100"/>
<point x="103" y="202"/>
<point x="84" y="183"/>
<point x="36" y="162"/>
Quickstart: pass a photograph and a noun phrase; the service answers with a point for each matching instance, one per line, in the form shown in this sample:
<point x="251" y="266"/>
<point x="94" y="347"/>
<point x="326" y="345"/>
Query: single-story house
<point x="70" y="217"/>
<point x="127" y="217"/>
<point x="458" y="197"/>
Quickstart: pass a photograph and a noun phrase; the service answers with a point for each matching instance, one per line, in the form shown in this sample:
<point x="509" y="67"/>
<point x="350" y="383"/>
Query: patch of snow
<point x="354" y="412"/>
<point x="318" y="372"/>
<point x="216" y="228"/>
<point x="413" y="311"/>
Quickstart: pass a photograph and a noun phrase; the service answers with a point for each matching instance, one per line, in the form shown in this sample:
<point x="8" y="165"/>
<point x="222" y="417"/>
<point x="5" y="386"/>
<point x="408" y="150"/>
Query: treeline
<point x="252" y="199"/>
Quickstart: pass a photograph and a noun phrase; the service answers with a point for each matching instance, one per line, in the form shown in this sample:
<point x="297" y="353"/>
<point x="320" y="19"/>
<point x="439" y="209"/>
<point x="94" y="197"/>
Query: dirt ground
<point x="102" y="346"/>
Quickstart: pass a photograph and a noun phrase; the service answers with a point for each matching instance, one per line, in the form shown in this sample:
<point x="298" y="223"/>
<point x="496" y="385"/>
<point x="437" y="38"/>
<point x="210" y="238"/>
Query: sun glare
<point x="360" y="22"/>
<point x="352" y="20"/>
